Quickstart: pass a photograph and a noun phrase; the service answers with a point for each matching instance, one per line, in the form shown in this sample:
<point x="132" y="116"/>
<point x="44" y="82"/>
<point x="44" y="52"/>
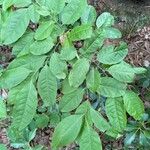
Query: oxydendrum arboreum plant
<point x="62" y="72"/>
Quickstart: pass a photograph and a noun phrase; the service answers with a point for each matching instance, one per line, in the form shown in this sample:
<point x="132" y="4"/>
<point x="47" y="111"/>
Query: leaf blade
<point x="47" y="86"/>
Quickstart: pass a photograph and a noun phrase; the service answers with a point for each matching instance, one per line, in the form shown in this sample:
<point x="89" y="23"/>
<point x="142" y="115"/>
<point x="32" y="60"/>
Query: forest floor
<point x="133" y="18"/>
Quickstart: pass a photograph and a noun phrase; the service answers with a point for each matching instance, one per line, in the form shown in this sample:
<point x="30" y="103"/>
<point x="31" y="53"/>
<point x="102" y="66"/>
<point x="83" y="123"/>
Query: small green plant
<point x="138" y="133"/>
<point x="63" y="70"/>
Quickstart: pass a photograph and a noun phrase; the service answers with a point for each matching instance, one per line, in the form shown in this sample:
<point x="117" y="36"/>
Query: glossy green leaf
<point x="89" y="15"/>
<point x="110" y="87"/>
<point x="13" y="77"/>
<point x="99" y="121"/>
<point x="15" y="27"/>
<point x="110" y="55"/>
<point x="71" y="101"/>
<point x="116" y="113"/>
<point x="80" y="33"/>
<point x="58" y="66"/>
<point x="90" y="139"/>
<point x="73" y="11"/>
<point x="105" y="20"/>
<point x="93" y="80"/>
<point x="3" y="113"/>
<point x="78" y="73"/>
<point x="67" y="131"/>
<point x="42" y="47"/>
<point x="47" y="86"/>
<point x="25" y="108"/>
<point x="133" y="105"/>
<point x="44" y="30"/>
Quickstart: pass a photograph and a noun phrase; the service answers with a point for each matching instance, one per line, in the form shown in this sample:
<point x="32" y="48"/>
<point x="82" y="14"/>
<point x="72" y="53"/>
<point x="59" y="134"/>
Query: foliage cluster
<point x="65" y="75"/>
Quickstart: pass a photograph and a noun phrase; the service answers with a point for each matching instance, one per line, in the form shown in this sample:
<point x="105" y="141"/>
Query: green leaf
<point x="94" y="43"/>
<point x="47" y="86"/>
<point x="54" y="119"/>
<point x="78" y="73"/>
<point x="147" y="133"/>
<point x="110" y="33"/>
<point x="21" y="47"/>
<point x="68" y="53"/>
<point x="130" y="137"/>
<point x="66" y="88"/>
<point x="43" y="11"/>
<point x="80" y="33"/>
<point x="140" y="70"/>
<point x="7" y="4"/>
<point x="67" y="131"/>
<point x="13" y="77"/>
<point x="110" y="87"/>
<point x="13" y="92"/>
<point x="143" y="140"/>
<point x="42" y="47"/>
<point x="83" y="108"/>
<point x="1" y="2"/>
<point x="89" y="15"/>
<point x="112" y="132"/>
<point x="15" y="26"/>
<point x="105" y="20"/>
<point x="56" y="6"/>
<point x="58" y="66"/>
<point x="44" y="30"/>
<point x="116" y="113"/>
<point x="71" y="101"/>
<point x="25" y="107"/>
<point x="133" y="105"/>
<point x="110" y="55"/>
<point x="73" y="11"/>
<point x="41" y="120"/>
<point x="3" y="147"/>
<point x="90" y="140"/>
<point x="30" y="62"/>
<point x="34" y="16"/>
<point x="3" y="113"/>
<point x="123" y="72"/>
<point x="22" y="3"/>
<point x="99" y="121"/>
<point x="93" y="80"/>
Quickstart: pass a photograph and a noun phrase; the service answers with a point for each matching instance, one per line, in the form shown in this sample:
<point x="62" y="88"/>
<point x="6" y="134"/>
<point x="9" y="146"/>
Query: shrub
<point x="65" y="75"/>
